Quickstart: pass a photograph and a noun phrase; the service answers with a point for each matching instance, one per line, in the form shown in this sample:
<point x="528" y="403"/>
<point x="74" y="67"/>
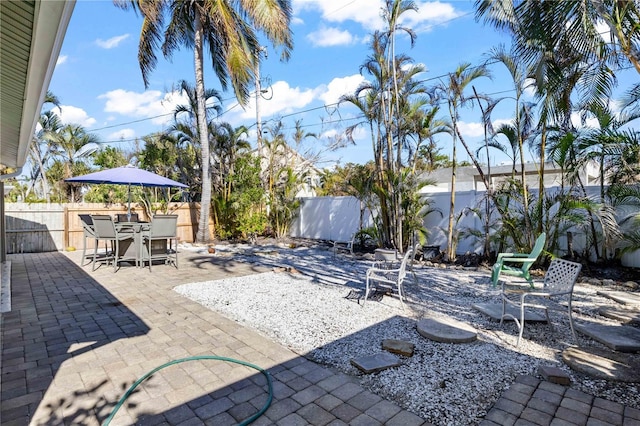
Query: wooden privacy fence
<point x="34" y="228"/>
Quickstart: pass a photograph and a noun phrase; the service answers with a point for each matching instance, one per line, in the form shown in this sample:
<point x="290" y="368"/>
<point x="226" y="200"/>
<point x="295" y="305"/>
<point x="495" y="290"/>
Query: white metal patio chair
<point x="344" y="246"/>
<point x="394" y="276"/>
<point x="559" y="280"/>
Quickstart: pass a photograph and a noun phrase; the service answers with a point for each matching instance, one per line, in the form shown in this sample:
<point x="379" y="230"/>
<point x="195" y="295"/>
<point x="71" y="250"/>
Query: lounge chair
<point x="522" y="262"/>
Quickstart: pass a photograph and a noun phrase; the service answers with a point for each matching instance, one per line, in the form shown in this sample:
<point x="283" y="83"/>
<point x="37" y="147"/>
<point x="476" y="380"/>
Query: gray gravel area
<point x="309" y="303"/>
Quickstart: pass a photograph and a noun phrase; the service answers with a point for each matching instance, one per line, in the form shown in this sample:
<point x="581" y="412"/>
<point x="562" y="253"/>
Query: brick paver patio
<point x="75" y="340"/>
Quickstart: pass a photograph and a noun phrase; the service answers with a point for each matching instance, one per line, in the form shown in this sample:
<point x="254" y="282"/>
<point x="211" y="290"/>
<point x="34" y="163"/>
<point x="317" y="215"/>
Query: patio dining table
<point x="132" y="250"/>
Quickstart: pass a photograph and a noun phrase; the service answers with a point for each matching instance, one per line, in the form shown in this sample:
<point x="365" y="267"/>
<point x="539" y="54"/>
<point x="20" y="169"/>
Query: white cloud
<point x="328" y="134"/>
<point x="326" y="37"/>
<point x="500" y="121"/>
<point x="73" y="115"/>
<point x="112" y="42"/>
<point x="590" y="123"/>
<point x="367" y="13"/>
<point x="471" y="130"/>
<point x="530" y="87"/>
<point x="603" y="29"/>
<point x="428" y="15"/>
<point x="364" y="12"/>
<point x="339" y="87"/>
<point x="151" y="103"/>
<point x="124" y="134"/>
<point x="61" y="59"/>
<point x="286" y="99"/>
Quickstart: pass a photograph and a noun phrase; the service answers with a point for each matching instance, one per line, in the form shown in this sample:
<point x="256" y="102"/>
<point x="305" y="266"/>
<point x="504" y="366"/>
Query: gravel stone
<point x="318" y="313"/>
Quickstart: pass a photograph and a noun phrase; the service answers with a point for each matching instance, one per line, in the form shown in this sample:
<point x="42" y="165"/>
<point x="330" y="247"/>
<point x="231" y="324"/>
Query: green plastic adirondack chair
<point x="521" y="262"/>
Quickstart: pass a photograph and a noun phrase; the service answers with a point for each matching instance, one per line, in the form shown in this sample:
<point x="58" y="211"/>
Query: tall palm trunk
<point x="43" y="176"/>
<point x="451" y="256"/>
<point x="203" y="235"/>
<point x="523" y="177"/>
<point x="541" y="191"/>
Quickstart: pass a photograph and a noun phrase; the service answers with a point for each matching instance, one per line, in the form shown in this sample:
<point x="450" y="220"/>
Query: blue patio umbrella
<point x="127" y="175"/>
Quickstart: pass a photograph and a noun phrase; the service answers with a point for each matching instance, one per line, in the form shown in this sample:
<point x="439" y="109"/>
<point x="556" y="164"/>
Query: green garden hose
<point x="197" y="358"/>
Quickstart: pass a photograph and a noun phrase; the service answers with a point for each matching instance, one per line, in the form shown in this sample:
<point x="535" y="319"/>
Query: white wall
<point x="329" y="218"/>
<point x="337" y="218"/>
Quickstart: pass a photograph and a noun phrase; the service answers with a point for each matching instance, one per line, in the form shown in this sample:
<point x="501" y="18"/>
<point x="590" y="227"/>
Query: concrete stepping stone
<point x="620" y="338"/>
<point x="554" y="375"/>
<point x="399" y="347"/>
<point x="374" y="363"/>
<point x="624" y="315"/>
<point x="624" y="297"/>
<point x="446" y="330"/>
<point x="494" y="311"/>
<point x="603" y="364"/>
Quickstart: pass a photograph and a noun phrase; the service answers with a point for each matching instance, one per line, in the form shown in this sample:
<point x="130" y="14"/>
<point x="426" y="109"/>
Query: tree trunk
<point x="451" y="256"/>
<point x="543" y="147"/>
<point x="203" y="235"/>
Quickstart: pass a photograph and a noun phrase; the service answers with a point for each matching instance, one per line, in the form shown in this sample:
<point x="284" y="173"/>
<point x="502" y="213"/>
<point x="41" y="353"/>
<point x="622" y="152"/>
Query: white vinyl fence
<point x="330" y="218"/>
<point x="437" y="224"/>
<point x="41" y="227"/>
<point x="337" y="218"/>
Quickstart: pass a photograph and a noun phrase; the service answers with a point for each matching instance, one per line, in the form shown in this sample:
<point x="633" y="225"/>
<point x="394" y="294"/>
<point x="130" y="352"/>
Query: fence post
<point x="65" y="227"/>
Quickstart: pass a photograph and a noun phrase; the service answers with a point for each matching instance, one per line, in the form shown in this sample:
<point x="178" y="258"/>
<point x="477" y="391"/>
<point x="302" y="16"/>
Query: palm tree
<point x="228" y="143"/>
<point x="228" y="29"/>
<point x="65" y="143"/>
<point x="522" y="126"/>
<point x="40" y="148"/>
<point x="452" y="92"/>
<point x="425" y="127"/>
<point x="369" y="98"/>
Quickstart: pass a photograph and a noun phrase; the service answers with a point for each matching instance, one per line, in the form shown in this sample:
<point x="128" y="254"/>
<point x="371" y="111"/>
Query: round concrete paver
<point x="446" y="330"/>
<point x="603" y="364"/>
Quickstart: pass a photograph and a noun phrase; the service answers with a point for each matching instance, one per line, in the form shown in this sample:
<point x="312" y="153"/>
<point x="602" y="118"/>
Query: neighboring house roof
<point x="31" y="35"/>
<point x="468" y="177"/>
<point x="287" y="155"/>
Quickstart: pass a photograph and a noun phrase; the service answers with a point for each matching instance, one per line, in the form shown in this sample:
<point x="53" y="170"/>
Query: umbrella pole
<point x="129" y="205"/>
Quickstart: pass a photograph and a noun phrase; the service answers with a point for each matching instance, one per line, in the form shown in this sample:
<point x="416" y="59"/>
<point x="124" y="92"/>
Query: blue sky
<point x="99" y="83"/>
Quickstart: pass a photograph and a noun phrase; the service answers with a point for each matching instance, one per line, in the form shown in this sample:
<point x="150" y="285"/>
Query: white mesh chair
<point x="344" y="246"/>
<point x="389" y="276"/>
<point x="559" y="280"/>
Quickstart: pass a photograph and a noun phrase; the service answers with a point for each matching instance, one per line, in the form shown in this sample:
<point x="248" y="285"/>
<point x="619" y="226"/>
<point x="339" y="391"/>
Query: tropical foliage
<point x="563" y="71"/>
<point x="230" y="31"/>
